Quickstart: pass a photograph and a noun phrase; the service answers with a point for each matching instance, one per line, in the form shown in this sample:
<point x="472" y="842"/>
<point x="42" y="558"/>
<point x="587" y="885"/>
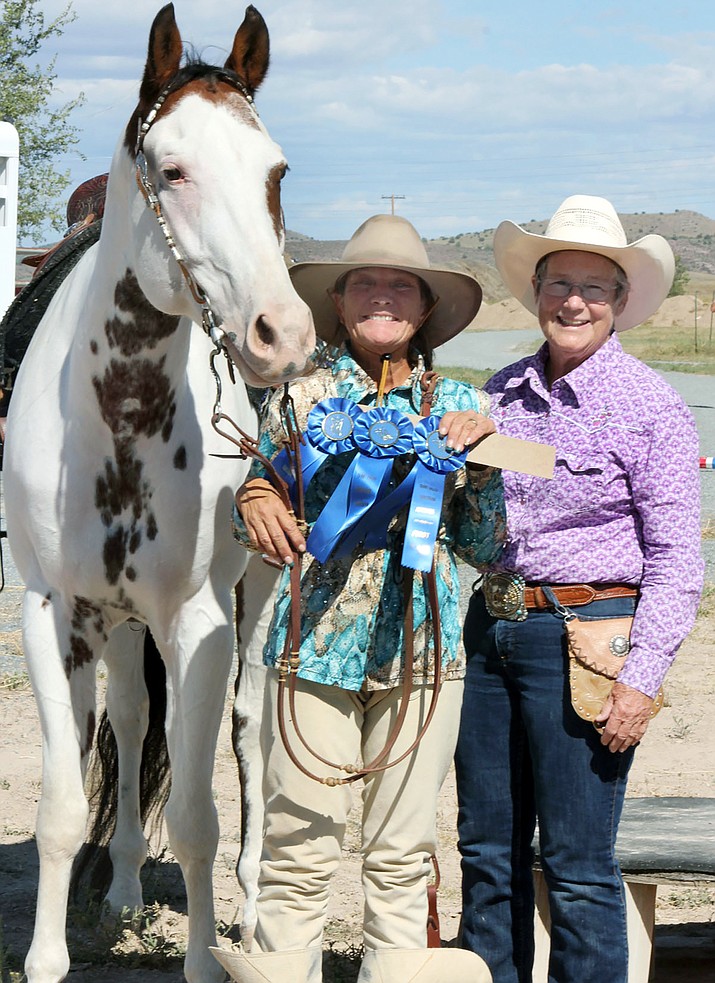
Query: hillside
<point x="691" y="235"/>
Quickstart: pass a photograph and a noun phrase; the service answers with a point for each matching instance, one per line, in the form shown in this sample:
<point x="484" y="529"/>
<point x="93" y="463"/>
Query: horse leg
<point x="128" y="712"/>
<point x="198" y="657"/>
<point x="255" y="596"/>
<point x="60" y="665"/>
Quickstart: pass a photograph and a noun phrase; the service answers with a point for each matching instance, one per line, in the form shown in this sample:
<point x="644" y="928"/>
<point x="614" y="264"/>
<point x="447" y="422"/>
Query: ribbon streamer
<point x="380" y="435"/>
<point x="434" y="462"/>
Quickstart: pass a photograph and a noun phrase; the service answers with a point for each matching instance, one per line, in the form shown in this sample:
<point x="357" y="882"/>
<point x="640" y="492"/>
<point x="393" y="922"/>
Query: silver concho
<point x="619" y="646"/>
<point x="504" y="596"/>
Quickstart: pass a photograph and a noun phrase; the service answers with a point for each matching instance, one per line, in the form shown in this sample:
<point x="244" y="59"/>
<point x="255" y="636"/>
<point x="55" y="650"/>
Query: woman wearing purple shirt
<point x="615" y="532"/>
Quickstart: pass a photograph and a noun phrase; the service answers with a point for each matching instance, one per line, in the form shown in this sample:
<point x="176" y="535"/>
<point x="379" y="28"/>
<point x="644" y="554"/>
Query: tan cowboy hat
<point x="389" y="240"/>
<point x="588" y="224"/>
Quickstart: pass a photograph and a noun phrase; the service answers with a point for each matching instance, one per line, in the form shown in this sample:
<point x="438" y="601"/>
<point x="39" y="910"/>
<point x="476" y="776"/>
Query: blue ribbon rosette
<point x="329" y="430"/>
<point x="380" y="435"/>
<point x="426" y="480"/>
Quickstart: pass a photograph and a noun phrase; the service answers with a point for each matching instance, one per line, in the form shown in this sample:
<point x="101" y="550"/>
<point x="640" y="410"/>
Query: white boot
<point x="423" y="966"/>
<point x="292" y="966"/>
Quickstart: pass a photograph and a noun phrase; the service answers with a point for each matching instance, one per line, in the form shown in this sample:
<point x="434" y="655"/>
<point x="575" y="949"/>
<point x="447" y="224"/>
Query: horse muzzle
<point x="277" y="347"/>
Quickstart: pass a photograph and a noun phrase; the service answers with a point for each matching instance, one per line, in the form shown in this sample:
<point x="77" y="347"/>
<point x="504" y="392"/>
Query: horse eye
<point x="171" y="174"/>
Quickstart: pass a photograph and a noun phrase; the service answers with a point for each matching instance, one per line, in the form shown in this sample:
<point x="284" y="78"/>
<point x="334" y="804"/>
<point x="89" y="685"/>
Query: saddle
<point x="85" y="210"/>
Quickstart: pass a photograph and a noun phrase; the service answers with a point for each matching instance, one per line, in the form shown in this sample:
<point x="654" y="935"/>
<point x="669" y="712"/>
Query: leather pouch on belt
<point x="597" y="651"/>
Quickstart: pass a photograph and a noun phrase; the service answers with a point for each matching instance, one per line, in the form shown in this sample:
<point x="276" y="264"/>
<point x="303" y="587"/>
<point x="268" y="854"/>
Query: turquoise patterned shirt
<point x="352" y="617"/>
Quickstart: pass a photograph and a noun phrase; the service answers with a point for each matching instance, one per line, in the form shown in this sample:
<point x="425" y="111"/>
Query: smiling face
<point x="381" y="309"/>
<point x="575" y="327"/>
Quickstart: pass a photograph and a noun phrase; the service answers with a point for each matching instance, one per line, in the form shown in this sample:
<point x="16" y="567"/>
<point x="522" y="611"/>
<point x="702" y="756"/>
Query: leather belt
<point x="507" y="595"/>
<point x="571" y="595"/>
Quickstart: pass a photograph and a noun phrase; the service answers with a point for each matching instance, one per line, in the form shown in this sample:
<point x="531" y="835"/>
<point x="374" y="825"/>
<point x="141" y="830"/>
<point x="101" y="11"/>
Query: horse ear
<point x="250" y="55"/>
<point x="163" y="57"/>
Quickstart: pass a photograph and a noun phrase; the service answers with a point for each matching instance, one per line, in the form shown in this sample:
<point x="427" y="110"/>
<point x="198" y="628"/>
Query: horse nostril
<point x="265" y="333"/>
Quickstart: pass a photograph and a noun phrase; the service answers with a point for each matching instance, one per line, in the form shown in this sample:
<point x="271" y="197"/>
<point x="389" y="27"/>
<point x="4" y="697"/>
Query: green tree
<point x="681" y="278"/>
<point x="44" y="132"/>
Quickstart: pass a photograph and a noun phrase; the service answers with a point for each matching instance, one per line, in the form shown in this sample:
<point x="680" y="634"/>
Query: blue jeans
<point x="522" y="753"/>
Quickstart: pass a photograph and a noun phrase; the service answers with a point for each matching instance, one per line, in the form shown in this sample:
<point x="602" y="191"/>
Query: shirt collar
<point x="362" y="382"/>
<point x="587" y="377"/>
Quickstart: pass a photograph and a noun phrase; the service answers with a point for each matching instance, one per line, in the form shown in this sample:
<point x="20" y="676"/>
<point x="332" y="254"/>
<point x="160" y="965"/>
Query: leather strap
<point x="428" y="384"/>
<point x="571" y="595"/>
<point x="434" y="939"/>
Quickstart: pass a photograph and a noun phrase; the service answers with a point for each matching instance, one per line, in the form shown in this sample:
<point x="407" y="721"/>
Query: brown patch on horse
<point x="273" y="198"/>
<point x="123" y="499"/>
<point x="86" y="618"/>
<point x="85" y="611"/>
<point x="142" y="325"/>
<point x="135" y="398"/>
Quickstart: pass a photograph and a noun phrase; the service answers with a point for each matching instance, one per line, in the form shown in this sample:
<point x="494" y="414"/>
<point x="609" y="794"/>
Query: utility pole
<point x="392" y="201"/>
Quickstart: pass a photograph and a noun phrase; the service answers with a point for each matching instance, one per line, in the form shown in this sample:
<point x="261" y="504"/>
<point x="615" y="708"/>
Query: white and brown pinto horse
<point x="118" y="515"/>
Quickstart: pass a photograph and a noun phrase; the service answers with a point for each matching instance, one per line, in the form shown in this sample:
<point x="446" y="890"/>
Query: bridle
<point x="217" y="335"/>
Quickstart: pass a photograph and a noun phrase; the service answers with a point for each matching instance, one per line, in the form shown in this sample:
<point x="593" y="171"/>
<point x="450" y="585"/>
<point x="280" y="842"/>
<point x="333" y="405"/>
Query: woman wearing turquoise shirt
<point x="382" y="299"/>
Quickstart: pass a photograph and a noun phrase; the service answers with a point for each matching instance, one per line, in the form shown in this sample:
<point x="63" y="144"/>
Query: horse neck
<point x="132" y="358"/>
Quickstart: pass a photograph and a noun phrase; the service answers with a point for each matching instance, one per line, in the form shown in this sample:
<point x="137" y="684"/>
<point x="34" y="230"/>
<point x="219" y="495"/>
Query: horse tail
<point x="238" y="722"/>
<point x="92" y="871"/>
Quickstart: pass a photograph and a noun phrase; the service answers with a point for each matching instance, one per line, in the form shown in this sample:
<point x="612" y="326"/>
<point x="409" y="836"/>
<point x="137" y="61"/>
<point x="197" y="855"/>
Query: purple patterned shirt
<point x="624" y="503"/>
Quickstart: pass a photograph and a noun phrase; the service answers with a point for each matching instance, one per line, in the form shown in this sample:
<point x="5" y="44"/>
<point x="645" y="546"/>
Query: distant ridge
<point x="690" y="234"/>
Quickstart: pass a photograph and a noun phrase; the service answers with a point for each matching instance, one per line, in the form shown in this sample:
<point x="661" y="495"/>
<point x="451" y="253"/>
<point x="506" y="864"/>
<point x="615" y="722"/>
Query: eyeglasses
<point x="595" y="293"/>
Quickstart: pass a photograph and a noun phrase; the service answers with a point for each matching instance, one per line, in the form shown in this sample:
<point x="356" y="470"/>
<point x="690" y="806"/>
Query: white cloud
<point x="437" y="102"/>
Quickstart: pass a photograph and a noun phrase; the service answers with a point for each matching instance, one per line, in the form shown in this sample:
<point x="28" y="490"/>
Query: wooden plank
<point x="499" y="451"/>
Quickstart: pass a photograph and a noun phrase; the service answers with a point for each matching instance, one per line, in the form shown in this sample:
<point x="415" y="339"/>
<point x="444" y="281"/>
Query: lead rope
<point x="290" y="660"/>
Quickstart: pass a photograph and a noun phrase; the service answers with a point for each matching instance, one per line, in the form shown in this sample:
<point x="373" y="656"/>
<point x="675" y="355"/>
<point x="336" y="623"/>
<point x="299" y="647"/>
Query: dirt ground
<point x="676" y="758"/>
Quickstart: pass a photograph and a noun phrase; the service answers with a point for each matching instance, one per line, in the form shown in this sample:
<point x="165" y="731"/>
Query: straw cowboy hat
<point x="391" y="241"/>
<point x="588" y="224"/>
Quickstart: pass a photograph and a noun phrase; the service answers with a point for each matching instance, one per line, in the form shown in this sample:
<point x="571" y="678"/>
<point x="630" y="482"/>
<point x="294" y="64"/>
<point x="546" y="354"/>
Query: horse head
<point x="213" y="236"/>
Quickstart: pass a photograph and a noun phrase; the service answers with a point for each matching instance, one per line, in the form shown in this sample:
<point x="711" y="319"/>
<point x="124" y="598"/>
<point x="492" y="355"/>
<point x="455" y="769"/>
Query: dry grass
<point x="675" y="347"/>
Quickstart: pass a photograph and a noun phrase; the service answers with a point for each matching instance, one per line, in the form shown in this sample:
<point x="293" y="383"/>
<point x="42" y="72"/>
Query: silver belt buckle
<point x="504" y="596"/>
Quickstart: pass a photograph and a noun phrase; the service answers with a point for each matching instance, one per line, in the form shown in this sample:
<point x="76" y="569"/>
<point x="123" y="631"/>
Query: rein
<point x="208" y="321"/>
<point x="289" y="663"/>
<point x="290" y="660"/>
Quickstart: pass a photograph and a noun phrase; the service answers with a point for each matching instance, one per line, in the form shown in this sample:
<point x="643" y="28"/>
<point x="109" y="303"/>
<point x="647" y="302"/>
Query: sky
<point x="467" y="111"/>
